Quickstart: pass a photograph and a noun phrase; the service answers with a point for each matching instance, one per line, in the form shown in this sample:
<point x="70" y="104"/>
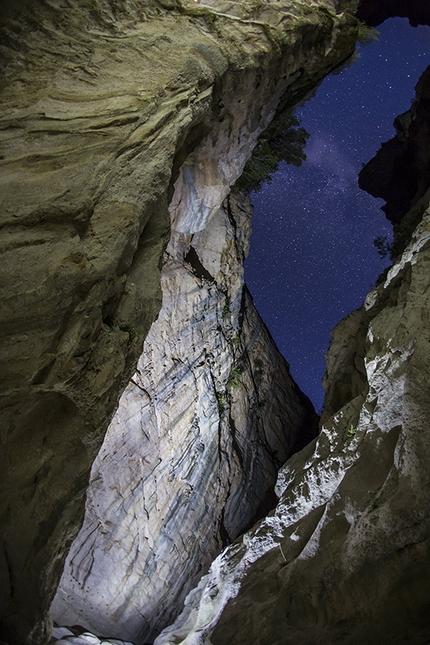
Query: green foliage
<point x="234" y="379"/>
<point x="402" y="235"/>
<point x="403" y="231"/>
<point x="349" y="62"/>
<point x="226" y="311"/>
<point x="351" y="431"/>
<point x="282" y="141"/>
<point x="222" y="404"/>
<point x="366" y="34"/>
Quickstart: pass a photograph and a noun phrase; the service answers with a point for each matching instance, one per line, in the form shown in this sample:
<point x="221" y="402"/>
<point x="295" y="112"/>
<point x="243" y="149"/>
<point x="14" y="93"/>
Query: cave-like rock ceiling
<point x="124" y="315"/>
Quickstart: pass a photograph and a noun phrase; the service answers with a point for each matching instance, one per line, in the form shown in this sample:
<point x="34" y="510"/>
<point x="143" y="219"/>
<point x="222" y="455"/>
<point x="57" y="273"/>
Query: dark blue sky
<point x="312" y="257"/>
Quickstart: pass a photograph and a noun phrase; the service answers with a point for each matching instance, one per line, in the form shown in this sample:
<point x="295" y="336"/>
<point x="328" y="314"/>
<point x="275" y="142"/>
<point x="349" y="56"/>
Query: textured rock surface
<point x="400" y="172"/>
<point x="102" y="103"/>
<point x="344" y="558"/>
<point x="77" y="636"/>
<point x="191" y="457"/>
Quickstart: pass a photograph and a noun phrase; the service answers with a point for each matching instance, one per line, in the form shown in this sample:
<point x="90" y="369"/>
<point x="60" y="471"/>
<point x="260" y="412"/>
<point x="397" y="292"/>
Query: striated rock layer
<point x="191" y="457"/>
<point x="345" y="556"/>
<point x="103" y="106"/>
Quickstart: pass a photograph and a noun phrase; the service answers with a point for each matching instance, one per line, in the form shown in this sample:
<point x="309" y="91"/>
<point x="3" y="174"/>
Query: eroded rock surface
<point x="102" y="104"/>
<point x="191" y="457"/>
<point x="345" y="555"/>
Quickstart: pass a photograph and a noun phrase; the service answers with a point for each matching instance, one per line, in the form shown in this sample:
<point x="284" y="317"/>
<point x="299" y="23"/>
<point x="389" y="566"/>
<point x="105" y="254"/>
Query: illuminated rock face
<point x="345" y="555"/>
<point x="344" y="558"/>
<point x="106" y="105"/>
<point x="191" y="456"/>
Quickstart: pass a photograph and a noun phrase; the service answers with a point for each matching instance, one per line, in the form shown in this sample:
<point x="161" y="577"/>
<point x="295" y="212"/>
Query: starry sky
<point x="312" y="257"/>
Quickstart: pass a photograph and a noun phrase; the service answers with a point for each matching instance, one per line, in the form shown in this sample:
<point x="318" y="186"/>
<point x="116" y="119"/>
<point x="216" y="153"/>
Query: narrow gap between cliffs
<point x="313" y="257"/>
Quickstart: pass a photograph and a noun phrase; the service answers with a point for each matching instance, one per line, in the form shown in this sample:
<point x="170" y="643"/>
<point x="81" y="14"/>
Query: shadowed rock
<point x="400" y="171"/>
<point x="102" y="103"/>
<point x="374" y="12"/>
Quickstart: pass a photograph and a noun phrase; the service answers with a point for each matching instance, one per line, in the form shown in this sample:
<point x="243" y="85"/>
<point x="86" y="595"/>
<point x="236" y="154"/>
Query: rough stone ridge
<point x="191" y="457"/>
<point x="345" y="555"/>
<point x="102" y="102"/>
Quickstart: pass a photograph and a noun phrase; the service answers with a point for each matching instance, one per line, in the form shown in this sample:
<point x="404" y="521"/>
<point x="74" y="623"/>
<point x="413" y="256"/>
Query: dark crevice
<point x="10" y="571"/>
<point x="234" y="441"/>
<point x="224" y="534"/>
<point x="198" y="269"/>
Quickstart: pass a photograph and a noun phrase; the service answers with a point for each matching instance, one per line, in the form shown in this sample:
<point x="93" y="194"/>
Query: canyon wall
<point x="345" y="556"/>
<point x="191" y="457"/>
<point x="111" y="112"/>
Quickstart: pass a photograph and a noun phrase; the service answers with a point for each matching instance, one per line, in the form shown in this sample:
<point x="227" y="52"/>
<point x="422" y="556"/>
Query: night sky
<point x="312" y="257"/>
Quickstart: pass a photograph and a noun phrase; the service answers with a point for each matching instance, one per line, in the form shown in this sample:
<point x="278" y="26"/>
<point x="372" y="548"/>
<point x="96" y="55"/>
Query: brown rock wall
<point x="101" y="102"/>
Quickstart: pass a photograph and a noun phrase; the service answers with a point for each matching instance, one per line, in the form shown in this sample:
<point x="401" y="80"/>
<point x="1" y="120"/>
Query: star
<point x="314" y="222"/>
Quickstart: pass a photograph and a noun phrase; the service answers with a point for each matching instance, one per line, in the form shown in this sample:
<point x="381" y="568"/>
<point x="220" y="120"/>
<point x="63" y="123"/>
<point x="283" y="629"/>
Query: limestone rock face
<point x="105" y="105"/>
<point x="191" y="456"/>
<point x="400" y="171"/>
<point x="345" y="555"/>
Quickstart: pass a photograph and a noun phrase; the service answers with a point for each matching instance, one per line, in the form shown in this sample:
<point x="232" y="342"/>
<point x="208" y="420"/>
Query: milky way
<point x="312" y="256"/>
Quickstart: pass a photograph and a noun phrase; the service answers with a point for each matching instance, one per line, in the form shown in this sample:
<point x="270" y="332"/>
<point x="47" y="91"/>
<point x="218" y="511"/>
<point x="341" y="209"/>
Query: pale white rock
<point x="63" y="636"/>
<point x="191" y="456"/>
<point x="83" y="639"/>
<point x="60" y="632"/>
<point x="348" y="542"/>
<point x="208" y="173"/>
<point x="91" y="638"/>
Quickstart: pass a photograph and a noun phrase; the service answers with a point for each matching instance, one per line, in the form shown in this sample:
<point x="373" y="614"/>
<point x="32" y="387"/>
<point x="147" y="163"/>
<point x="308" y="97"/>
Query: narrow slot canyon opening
<point x="313" y="258"/>
<point x="198" y="449"/>
<point x="312" y="262"/>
